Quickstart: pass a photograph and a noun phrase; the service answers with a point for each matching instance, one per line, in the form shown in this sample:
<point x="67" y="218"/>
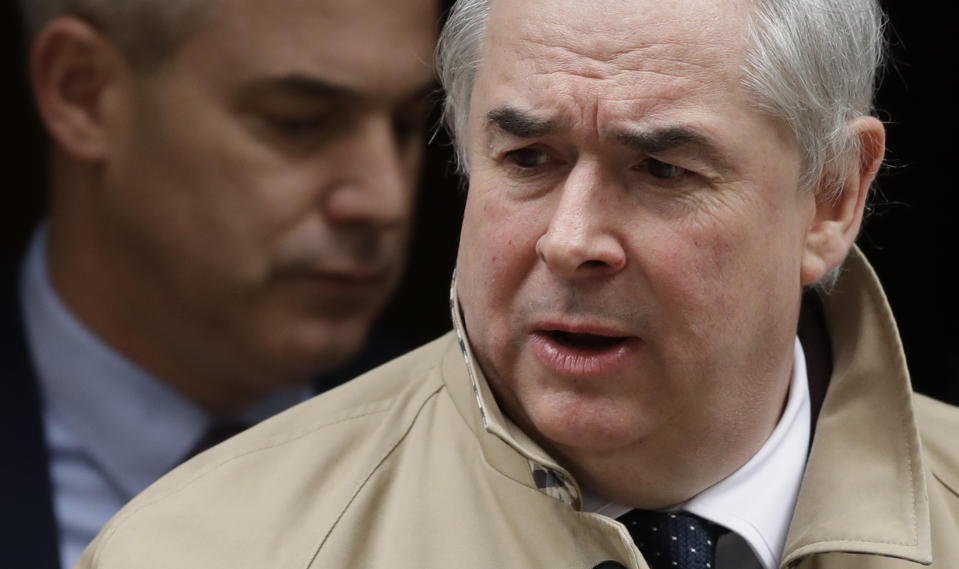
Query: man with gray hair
<point x="667" y="351"/>
<point x="232" y="185"/>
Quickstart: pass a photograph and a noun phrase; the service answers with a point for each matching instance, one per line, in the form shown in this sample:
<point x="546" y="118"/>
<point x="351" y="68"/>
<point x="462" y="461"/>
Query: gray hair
<point x="145" y="31"/>
<point x="812" y="63"/>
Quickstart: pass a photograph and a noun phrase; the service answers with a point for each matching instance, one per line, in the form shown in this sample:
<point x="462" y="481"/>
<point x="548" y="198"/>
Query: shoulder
<point x="286" y="480"/>
<point x="939" y="430"/>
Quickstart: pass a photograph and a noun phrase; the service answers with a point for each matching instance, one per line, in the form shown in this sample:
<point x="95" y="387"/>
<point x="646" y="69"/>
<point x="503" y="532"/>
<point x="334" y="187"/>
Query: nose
<point x="375" y="180"/>
<point x="581" y="240"/>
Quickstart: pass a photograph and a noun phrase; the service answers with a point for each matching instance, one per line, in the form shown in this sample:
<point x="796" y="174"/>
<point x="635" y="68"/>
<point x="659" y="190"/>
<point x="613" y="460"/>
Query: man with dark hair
<point x="232" y="185"/>
<point x="668" y="352"/>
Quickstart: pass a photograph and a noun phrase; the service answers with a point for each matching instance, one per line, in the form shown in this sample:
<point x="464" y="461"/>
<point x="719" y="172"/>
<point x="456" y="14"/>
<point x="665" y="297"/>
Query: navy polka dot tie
<point x="673" y="540"/>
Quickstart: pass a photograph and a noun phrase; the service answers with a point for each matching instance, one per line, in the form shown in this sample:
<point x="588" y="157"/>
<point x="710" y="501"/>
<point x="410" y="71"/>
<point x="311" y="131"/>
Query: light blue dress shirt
<point x="111" y="428"/>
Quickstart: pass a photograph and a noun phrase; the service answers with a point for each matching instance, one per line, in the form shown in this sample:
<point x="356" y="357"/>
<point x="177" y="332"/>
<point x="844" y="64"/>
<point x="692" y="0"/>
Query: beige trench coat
<point x="395" y="470"/>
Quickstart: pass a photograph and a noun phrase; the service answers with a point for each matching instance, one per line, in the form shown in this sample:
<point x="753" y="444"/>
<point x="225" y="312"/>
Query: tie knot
<point x="673" y="540"/>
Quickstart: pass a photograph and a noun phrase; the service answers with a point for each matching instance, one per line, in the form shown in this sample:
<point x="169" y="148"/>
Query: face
<point x="630" y="260"/>
<point x="260" y="187"/>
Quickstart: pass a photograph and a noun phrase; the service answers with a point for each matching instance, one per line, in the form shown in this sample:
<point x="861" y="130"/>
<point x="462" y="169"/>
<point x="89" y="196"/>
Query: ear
<point x="839" y="210"/>
<point x="72" y="68"/>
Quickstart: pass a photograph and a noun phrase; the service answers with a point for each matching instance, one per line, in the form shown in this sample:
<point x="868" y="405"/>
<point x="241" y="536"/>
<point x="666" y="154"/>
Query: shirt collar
<point x="135" y="427"/>
<point x="757" y="501"/>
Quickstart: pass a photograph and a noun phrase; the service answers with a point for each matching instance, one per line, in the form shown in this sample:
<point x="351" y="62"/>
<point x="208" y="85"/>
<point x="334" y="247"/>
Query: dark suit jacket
<point x="27" y="527"/>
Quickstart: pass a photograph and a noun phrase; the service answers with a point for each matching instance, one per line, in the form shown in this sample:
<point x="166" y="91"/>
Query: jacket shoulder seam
<point x="376" y="467"/>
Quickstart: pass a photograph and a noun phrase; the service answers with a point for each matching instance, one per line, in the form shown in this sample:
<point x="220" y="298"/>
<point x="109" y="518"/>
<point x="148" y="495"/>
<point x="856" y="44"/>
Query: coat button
<point x="610" y="565"/>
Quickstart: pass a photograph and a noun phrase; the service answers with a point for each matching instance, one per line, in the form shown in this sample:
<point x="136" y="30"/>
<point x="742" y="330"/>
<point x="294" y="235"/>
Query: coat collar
<point x="500" y="437"/>
<point x="864" y="489"/>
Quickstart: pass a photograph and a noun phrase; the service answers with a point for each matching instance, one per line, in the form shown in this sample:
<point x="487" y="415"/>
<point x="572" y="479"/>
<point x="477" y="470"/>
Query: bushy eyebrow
<point x="521" y="124"/>
<point x="661" y="140"/>
<point x="657" y="140"/>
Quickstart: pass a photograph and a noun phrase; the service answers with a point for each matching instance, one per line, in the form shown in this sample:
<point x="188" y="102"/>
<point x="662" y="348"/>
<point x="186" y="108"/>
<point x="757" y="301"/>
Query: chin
<point x="574" y="425"/>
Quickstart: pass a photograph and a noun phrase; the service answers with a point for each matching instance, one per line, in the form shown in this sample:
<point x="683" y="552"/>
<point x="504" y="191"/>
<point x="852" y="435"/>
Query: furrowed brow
<point x="520" y="124"/>
<point x="658" y="141"/>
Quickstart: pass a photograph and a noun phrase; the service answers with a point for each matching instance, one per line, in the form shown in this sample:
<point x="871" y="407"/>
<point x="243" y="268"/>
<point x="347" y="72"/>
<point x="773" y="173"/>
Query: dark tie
<point x="673" y="540"/>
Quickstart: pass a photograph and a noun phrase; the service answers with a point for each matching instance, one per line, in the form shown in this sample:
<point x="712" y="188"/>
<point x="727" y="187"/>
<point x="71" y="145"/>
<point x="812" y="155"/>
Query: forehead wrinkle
<point x="624" y="54"/>
<point x="638" y="70"/>
<point x="659" y="58"/>
<point x="557" y="58"/>
<point x="645" y="72"/>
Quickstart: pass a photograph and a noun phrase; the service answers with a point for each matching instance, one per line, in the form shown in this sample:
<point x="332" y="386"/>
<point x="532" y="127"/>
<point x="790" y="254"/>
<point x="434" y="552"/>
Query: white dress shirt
<point x="756" y="502"/>
<point x="111" y="428"/>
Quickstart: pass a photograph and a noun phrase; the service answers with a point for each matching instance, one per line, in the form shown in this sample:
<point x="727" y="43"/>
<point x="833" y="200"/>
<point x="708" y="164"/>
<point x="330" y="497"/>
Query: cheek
<point x="264" y="207"/>
<point x="496" y="254"/>
<point x="498" y="243"/>
<point x="726" y="290"/>
<point x="697" y="272"/>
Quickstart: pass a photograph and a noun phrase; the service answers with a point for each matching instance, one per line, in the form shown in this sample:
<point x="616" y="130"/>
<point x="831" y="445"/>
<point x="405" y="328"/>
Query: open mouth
<point x="586" y="342"/>
<point x="585" y="353"/>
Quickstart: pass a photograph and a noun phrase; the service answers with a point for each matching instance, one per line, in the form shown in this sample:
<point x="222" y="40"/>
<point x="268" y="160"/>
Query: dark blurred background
<point x="907" y="237"/>
<point x="910" y="235"/>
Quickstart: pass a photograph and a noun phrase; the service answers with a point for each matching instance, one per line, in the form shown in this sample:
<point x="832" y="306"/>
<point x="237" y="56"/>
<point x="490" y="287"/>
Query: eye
<point x="527" y="158"/>
<point x="662" y="170"/>
<point x="298" y="126"/>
